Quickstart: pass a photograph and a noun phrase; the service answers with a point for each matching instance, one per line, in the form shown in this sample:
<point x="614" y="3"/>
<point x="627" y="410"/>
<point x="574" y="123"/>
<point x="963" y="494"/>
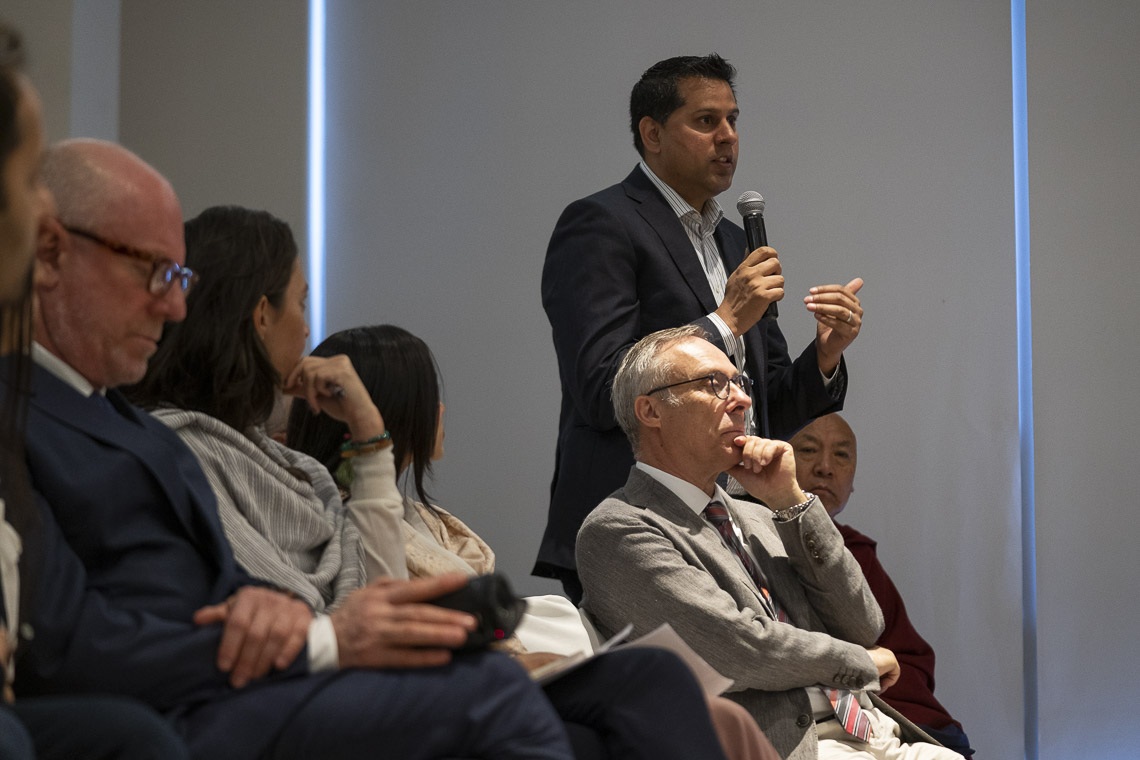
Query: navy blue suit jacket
<point x="130" y="546"/>
<point x="620" y="266"/>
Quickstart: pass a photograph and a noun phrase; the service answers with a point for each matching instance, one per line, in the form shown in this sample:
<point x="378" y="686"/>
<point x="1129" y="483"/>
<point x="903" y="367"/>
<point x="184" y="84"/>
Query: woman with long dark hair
<point x="400" y="373"/>
<point x="215" y="379"/>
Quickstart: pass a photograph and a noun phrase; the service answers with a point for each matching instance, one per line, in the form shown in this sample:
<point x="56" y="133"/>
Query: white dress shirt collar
<point x="62" y="370"/>
<point x="693" y="497"/>
<point x="709" y="216"/>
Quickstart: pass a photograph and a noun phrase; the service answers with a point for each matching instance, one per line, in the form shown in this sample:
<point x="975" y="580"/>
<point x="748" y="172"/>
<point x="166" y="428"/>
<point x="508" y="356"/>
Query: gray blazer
<point x="646" y="558"/>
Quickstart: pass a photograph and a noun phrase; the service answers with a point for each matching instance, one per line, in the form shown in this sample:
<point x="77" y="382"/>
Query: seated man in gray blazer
<point x="767" y="594"/>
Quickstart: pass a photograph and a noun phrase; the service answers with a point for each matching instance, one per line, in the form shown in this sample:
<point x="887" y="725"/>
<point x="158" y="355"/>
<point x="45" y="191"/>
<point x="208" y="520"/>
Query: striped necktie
<point x="849" y="714"/>
<point x="717" y="515"/>
<point x="847" y="710"/>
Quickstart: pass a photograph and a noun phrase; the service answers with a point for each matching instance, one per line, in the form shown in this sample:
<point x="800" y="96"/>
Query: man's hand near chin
<point x="263" y="629"/>
<point x="767" y="470"/>
<point x="391" y="624"/>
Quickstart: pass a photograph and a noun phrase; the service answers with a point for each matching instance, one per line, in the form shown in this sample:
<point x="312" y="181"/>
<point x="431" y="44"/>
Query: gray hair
<point x="79" y="186"/>
<point x="642" y="369"/>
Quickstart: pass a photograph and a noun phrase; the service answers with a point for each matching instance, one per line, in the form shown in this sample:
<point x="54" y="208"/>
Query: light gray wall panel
<point x="46" y="28"/>
<point x="1084" y="116"/>
<point x="214" y="94"/>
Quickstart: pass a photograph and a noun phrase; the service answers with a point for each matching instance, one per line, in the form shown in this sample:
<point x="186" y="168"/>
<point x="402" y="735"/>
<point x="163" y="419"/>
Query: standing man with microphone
<point x="654" y="252"/>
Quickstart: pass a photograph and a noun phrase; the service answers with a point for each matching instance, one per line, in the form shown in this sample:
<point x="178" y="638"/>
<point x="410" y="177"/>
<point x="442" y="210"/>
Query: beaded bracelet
<point x="350" y="449"/>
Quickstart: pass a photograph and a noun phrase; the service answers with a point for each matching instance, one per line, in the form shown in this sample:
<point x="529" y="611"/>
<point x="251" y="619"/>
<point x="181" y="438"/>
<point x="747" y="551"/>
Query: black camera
<point x="492" y="601"/>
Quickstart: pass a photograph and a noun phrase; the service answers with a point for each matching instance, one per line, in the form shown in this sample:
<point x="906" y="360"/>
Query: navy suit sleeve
<point x="714" y="335"/>
<point x="593" y="283"/>
<point x="85" y="642"/>
<point x="796" y="392"/>
<point x="589" y="292"/>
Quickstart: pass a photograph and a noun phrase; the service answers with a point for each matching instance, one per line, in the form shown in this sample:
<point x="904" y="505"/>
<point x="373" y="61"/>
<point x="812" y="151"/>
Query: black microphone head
<point x="750" y="202"/>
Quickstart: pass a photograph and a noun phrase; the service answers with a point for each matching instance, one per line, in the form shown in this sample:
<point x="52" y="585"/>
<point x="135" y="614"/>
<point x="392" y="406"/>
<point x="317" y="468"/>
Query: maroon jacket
<point x="913" y="694"/>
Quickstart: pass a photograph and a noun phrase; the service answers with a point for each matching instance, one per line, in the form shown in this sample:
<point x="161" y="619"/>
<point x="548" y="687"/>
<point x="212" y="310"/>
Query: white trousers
<point x="883" y="744"/>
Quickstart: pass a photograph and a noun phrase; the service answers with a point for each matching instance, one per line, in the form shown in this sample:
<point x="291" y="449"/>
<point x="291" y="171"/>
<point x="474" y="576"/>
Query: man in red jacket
<point x="825" y="465"/>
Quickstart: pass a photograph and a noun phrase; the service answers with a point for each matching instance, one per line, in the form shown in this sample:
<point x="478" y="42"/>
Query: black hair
<point x="657" y="95"/>
<point x="11" y="60"/>
<point x="20" y="509"/>
<point x="402" y="378"/>
<point x="214" y="361"/>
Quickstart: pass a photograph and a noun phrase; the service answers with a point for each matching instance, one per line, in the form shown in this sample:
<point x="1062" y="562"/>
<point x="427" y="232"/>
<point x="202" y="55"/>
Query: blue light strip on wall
<point x="1024" y="378"/>
<point x="316" y="189"/>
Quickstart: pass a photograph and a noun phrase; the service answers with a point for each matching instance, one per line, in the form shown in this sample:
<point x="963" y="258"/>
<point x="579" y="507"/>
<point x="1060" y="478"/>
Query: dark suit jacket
<point x="620" y="266"/>
<point x="131" y="546"/>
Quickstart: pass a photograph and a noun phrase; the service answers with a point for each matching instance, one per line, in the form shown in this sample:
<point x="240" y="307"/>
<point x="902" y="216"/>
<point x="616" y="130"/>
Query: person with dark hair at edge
<point x="65" y="726"/>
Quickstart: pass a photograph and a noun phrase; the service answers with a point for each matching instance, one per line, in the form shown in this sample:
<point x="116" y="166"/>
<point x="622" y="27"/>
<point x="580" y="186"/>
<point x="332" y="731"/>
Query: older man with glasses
<point x="163" y="272"/>
<point x="766" y="593"/>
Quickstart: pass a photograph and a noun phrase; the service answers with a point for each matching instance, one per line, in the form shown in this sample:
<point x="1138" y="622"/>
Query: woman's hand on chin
<point x="330" y="385"/>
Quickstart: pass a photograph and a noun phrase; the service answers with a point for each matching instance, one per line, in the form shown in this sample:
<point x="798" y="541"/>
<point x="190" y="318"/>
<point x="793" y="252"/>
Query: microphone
<point x="751" y="208"/>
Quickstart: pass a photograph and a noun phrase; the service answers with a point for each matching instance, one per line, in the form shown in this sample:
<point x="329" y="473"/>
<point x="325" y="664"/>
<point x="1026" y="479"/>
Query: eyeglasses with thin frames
<point x="163" y="273"/>
<point x="718" y="381"/>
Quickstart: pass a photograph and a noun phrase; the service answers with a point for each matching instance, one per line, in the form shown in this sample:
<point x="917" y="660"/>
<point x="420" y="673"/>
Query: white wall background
<point x="879" y="132"/>
<point x="1084" y="174"/>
